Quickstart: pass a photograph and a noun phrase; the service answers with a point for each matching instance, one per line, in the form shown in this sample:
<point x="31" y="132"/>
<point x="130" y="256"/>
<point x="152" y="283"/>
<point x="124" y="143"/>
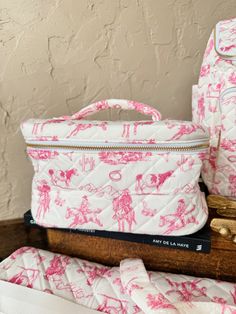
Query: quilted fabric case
<point x="128" y="289"/>
<point x="214" y="106"/>
<point x="138" y="176"/>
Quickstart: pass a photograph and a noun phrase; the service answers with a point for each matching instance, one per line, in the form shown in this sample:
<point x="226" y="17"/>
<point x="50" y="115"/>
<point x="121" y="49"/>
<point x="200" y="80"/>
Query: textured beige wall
<point x="56" y="55"/>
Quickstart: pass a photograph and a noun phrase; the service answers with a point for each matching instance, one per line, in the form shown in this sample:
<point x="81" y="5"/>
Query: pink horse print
<point x="187" y="290"/>
<point x="82" y="215"/>
<point x="26" y="277"/>
<point x="62" y="178"/>
<point x="123" y="211"/>
<point x="113" y="305"/>
<point x="151" y="183"/>
<point x="178" y="219"/>
<point x="44" y="199"/>
<point x="158" y="301"/>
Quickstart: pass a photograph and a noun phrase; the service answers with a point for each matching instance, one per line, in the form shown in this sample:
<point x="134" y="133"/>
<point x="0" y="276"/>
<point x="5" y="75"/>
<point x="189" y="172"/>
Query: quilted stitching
<point x="100" y="287"/>
<point x="214" y="107"/>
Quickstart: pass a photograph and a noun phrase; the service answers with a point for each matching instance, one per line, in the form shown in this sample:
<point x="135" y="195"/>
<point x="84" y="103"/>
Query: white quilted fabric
<point x="214" y="106"/>
<point x="138" y="191"/>
<point x="125" y="290"/>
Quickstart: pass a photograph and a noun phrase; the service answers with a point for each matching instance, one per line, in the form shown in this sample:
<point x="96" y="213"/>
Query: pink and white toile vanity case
<point x="128" y="176"/>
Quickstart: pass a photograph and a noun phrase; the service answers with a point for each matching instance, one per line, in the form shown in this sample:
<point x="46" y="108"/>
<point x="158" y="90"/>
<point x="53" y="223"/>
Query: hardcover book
<point x="199" y="241"/>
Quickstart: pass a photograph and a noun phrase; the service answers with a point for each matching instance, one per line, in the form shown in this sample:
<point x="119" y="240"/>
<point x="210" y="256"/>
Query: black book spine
<point x="190" y="242"/>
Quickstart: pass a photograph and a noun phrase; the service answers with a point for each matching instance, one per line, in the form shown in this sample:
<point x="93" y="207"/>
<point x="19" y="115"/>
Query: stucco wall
<point x="57" y="55"/>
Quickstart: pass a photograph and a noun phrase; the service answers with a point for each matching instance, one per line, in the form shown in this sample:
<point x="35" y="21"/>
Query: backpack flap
<point x="225" y="39"/>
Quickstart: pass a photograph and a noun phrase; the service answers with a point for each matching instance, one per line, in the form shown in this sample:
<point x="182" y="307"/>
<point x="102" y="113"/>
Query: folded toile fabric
<point x="128" y="289"/>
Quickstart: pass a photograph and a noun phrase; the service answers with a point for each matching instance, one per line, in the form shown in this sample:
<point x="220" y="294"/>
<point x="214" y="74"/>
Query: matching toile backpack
<point x="214" y="106"/>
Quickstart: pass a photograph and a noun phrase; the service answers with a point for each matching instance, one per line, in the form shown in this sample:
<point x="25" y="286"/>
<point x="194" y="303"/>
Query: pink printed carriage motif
<point x="128" y="176"/>
<point x="214" y="106"/>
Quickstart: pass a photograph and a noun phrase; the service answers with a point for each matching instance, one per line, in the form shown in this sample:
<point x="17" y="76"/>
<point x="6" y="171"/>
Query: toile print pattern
<point x="118" y="189"/>
<point x="128" y="289"/>
<point x="213" y="103"/>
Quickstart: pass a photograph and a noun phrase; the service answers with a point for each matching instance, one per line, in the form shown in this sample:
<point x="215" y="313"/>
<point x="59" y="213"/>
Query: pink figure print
<point x="113" y="305"/>
<point x="26" y="277"/>
<point x="42" y="154"/>
<point x="148" y="212"/>
<point x="187" y="290"/>
<point x="94" y="272"/>
<point x="118" y="158"/>
<point x="151" y="183"/>
<point x="57" y="266"/>
<point x="62" y="178"/>
<point x="87" y="163"/>
<point x="158" y="301"/>
<point x="201" y="109"/>
<point x="232" y="184"/>
<point x="82" y="215"/>
<point x="123" y="211"/>
<point x="185" y="130"/>
<point x="126" y="130"/>
<point x="178" y="219"/>
<point x="185" y="163"/>
<point x="44" y="199"/>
